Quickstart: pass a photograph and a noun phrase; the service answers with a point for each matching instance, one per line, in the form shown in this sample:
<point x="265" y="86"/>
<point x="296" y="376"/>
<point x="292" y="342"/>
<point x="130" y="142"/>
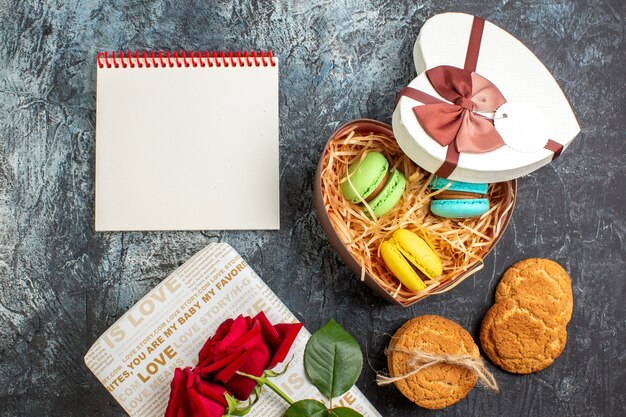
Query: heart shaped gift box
<point x="511" y="115"/>
<point x="482" y="109"/>
<point x="334" y="222"/>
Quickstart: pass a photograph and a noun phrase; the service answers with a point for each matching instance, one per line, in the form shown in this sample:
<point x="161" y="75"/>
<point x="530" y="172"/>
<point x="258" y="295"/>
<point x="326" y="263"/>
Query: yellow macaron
<point x="411" y="259"/>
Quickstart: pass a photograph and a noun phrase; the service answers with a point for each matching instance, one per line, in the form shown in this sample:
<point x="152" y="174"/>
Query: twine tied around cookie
<point x="419" y="360"/>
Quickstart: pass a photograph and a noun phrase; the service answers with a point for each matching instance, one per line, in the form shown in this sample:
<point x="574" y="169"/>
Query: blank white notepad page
<point x="187" y="148"/>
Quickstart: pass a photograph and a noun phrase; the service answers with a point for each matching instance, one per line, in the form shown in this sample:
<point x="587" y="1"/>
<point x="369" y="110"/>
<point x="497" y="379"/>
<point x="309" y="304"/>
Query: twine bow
<point x="420" y="360"/>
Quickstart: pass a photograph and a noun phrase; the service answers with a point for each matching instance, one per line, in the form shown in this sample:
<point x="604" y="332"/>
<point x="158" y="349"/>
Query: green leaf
<point x="344" y="412"/>
<point x="333" y="360"/>
<point x="232" y="403"/>
<point x="307" y="408"/>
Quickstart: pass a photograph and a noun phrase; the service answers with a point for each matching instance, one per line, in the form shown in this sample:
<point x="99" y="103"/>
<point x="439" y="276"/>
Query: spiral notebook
<point x="186" y="141"/>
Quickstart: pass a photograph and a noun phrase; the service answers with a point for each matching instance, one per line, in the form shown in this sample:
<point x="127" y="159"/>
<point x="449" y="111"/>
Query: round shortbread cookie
<point x="539" y="285"/>
<point x="439" y="385"/>
<point x="517" y="340"/>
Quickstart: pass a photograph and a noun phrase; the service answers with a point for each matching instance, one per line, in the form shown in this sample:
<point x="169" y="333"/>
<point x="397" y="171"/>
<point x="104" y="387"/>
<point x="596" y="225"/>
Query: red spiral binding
<point x="187" y="59"/>
<point x="115" y="63"/>
<point x="247" y="57"/>
<point x="122" y="60"/>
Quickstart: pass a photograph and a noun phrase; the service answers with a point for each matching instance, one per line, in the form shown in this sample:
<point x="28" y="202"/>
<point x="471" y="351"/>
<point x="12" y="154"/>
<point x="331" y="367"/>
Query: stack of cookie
<point x="525" y="330"/>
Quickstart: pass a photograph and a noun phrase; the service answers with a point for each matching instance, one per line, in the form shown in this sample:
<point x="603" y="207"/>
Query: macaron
<point x="389" y="195"/>
<point x="411" y="259"/>
<point x="369" y="179"/>
<point x="460" y="200"/>
<point x="365" y="177"/>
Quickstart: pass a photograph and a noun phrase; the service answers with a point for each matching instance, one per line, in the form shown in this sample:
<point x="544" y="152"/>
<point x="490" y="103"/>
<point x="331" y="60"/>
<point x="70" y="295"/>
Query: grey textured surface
<point x="62" y="285"/>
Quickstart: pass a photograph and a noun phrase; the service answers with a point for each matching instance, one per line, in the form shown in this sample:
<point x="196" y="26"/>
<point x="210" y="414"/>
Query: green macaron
<point x="389" y="195"/>
<point x="369" y="179"/>
<point x="364" y="177"/>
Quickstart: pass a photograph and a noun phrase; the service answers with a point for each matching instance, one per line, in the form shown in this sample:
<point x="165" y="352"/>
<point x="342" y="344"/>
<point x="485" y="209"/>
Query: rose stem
<point x="270" y="384"/>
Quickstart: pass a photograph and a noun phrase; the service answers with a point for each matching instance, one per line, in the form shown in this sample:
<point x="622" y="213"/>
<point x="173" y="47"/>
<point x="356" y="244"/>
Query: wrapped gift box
<point x="535" y="121"/>
<point x="136" y="357"/>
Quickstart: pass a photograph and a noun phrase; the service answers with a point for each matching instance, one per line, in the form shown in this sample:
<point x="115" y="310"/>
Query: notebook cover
<point x="187" y="141"/>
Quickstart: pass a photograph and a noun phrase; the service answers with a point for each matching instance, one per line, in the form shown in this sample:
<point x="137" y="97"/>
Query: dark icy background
<point x="62" y="285"/>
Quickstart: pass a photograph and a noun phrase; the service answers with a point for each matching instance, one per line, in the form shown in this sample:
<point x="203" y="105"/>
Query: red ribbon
<point x="454" y="123"/>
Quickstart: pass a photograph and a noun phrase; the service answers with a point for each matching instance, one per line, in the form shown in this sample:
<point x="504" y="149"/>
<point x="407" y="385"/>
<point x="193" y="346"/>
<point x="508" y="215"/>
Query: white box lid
<point x="539" y="121"/>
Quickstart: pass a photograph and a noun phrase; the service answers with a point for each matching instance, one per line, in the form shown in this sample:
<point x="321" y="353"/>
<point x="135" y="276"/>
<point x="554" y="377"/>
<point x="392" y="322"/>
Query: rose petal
<point x="256" y="363"/>
<point x="206" y="353"/>
<point x="178" y="395"/>
<point x="238" y="329"/>
<point x="246" y="344"/>
<point x="205" y="371"/>
<point x="201" y="406"/>
<point x="288" y="333"/>
<point x="192" y="397"/>
<point x="213" y="392"/>
<point x="279" y="338"/>
<point x="241" y="387"/>
<point x="227" y="372"/>
<point x="270" y="334"/>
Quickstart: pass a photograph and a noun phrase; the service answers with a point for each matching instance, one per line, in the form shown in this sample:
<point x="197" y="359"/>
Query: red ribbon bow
<point x="456" y="123"/>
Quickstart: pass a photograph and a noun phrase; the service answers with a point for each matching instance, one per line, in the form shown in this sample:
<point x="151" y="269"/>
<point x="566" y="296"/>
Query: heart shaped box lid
<point x="535" y="123"/>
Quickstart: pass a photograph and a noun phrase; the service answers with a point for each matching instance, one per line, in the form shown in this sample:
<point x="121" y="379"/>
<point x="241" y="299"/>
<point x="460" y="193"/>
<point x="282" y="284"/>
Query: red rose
<point x="246" y="344"/>
<point x="191" y="396"/>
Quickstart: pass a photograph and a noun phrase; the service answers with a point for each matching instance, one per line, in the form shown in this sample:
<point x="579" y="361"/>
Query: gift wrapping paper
<point x="135" y="358"/>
